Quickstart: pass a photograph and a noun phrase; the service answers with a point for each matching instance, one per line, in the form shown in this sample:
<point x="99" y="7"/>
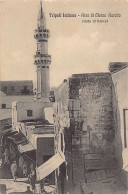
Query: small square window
<point x="3" y="105"/>
<point x="29" y="113"/>
<point x="12" y="88"/>
<point x="25" y="88"/>
<point x="5" y="88"/>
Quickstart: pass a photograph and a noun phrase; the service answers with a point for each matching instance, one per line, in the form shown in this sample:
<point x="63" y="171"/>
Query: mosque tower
<point x="42" y="58"/>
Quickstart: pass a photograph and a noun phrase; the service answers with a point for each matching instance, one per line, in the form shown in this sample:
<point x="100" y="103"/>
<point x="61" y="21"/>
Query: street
<point x="21" y="186"/>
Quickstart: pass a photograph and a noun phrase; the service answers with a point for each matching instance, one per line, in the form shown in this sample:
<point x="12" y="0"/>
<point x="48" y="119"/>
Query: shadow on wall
<point x="121" y="174"/>
<point x="117" y="125"/>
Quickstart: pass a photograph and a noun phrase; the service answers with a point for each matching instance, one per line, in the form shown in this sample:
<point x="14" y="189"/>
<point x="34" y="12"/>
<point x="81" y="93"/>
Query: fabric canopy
<point x="18" y="138"/>
<point x="49" y="166"/>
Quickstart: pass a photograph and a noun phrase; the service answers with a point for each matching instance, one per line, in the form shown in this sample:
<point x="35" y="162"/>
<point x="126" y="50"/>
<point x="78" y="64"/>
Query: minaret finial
<point x="41" y="9"/>
<point x="41" y="17"/>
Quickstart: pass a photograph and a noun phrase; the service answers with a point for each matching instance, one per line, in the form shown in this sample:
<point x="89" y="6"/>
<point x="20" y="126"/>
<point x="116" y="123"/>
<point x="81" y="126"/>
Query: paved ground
<point x="110" y="186"/>
<point x="20" y="186"/>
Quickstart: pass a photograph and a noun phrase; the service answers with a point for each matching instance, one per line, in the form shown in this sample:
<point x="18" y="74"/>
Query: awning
<point x="8" y="132"/>
<point x="18" y="138"/>
<point x="48" y="167"/>
<point x="26" y="147"/>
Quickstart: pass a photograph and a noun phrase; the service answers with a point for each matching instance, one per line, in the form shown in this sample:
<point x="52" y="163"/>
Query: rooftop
<point x="117" y="66"/>
<point x="16" y="81"/>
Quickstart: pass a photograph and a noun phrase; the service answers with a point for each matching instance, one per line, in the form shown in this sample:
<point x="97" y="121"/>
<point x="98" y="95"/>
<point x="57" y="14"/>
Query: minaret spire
<point x="41" y="9"/>
<point x="41" y="17"/>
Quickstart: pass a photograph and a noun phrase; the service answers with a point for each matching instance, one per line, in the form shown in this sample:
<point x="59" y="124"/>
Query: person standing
<point x="14" y="170"/>
<point x="32" y="177"/>
<point x="6" y="156"/>
<point x="25" y="169"/>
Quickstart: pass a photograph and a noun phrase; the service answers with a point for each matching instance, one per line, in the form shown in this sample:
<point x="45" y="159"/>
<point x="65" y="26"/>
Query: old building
<point x="11" y="91"/>
<point x="87" y="129"/>
<point x="17" y="88"/>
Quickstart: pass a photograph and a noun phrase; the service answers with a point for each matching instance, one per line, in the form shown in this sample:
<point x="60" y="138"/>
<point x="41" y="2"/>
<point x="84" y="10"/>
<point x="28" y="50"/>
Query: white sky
<point x="75" y="47"/>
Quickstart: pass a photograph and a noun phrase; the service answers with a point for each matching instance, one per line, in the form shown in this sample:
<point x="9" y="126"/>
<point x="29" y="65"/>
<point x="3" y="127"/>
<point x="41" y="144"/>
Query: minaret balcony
<point x="42" y="62"/>
<point x="41" y="34"/>
<point x="42" y="57"/>
<point x="42" y="30"/>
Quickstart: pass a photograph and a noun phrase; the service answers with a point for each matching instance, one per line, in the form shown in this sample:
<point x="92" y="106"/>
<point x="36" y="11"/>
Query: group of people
<point x="31" y="175"/>
<point x="22" y="169"/>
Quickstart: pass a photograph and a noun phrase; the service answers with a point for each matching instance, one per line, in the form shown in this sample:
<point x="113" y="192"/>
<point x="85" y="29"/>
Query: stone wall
<point x="96" y="114"/>
<point x="83" y="117"/>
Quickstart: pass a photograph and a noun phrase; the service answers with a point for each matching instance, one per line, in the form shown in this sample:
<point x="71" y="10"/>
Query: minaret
<point x="42" y="58"/>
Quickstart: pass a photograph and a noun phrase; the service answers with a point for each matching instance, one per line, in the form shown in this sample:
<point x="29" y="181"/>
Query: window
<point x="5" y="88"/>
<point x="29" y="113"/>
<point x="25" y="87"/>
<point x="3" y="105"/>
<point x="12" y="88"/>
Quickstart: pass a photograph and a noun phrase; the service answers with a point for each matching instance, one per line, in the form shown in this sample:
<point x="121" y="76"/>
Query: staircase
<point x="99" y="167"/>
<point x="100" y="161"/>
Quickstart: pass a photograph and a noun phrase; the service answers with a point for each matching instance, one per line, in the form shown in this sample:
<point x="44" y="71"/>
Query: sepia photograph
<point x="64" y="96"/>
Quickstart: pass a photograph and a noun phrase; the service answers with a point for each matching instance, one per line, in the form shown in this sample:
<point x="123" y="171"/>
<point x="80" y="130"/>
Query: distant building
<point x="16" y="88"/>
<point x="11" y="91"/>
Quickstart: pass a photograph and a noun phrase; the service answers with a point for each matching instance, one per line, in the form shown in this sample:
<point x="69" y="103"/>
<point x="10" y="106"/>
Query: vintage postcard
<point x="64" y="96"/>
